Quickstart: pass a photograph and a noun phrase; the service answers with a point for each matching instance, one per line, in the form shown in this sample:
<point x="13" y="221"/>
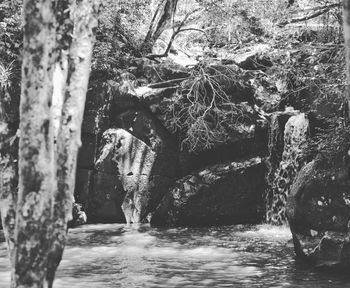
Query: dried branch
<point x="319" y="11"/>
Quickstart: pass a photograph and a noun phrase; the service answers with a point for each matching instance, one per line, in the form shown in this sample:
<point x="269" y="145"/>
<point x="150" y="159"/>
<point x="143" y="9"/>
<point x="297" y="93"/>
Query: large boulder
<point x="228" y="193"/>
<point x="318" y="211"/>
<point x="131" y="176"/>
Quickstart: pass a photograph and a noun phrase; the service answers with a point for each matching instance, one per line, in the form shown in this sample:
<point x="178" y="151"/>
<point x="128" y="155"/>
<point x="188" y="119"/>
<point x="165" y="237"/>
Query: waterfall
<point x="288" y="135"/>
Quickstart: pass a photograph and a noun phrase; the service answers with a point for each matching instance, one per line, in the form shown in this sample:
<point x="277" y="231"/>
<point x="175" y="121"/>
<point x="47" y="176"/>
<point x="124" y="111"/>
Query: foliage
<point x="10" y="49"/>
<point x="206" y="112"/>
<point x="5" y="76"/>
<point x="122" y="28"/>
<point x="331" y="144"/>
<point x="309" y="78"/>
<point x="10" y="31"/>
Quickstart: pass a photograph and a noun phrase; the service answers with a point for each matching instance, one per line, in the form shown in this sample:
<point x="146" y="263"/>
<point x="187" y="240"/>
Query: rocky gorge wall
<point x="133" y="167"/>
<point x="131" y="159"/>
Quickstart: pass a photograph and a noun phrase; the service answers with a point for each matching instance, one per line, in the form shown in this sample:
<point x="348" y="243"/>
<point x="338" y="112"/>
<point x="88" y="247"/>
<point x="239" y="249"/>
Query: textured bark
<point x="162" y="17"/>
<point x="36" y="146"/>
<point x="346" y="24"/>
<point x="35" y="224"/>
<point x="84" y="14"/>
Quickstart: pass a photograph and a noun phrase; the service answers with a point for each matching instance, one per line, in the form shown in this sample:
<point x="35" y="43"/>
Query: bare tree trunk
<point x="37" y="177"/>
<point x="346" y="23"/>
<point x="161" y="19"/>
<point x="36" y="229"/>
<point x="68" y="140"/>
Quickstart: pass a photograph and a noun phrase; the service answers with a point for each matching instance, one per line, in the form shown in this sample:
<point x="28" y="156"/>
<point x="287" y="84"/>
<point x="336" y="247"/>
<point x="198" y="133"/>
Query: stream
<point x="116" y="255"/>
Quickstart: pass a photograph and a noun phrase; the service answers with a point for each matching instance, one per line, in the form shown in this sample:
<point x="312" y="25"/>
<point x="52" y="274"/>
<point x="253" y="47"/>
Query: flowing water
<point x="115" y="255"/>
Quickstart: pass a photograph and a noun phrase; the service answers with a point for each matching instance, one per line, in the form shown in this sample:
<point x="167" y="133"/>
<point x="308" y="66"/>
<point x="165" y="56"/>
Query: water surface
<point x="114" y="255"/>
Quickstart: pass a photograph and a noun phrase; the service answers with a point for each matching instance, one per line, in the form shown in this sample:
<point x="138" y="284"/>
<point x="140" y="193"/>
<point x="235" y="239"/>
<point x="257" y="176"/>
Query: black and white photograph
<point x="174" y="143"/>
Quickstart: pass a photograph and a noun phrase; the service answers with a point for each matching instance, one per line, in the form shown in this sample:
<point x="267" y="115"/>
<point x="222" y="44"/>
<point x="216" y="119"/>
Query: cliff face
<point x="137" y="145"/>
<point x="151" y="131"/>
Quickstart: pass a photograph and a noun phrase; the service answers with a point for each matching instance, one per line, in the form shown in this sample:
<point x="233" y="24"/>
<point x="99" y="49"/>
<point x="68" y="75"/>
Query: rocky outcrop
<point x="318" y="211"/>
<point x="130" y="153"/>
<point x="288" y="134"/>
<point x="221" y="194"/>
<point x="131" y="175"/>
<point x="253" y="59"/>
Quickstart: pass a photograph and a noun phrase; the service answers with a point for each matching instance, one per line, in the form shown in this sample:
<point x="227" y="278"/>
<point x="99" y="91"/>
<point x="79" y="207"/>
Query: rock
<point x="86" y="155"/>
<point x="164" y="71"/>
<point x="228" y="193"/>
<point x="82" y="184"/>
<point x="105" y="197"/>
<point x="252" y="59"/>
<point x="285" y="160"/>
<point x="96" y="120"/>
<point x="318" y="211"/>
<point x="154" y="71"/>
<point x="267" y="101"/>
<point x="144" y="126"/>
<point x="136" y="173"/>
<point x="276" y="136"/>
<point x="239" y="148"/>
<point x="79" y="216"/>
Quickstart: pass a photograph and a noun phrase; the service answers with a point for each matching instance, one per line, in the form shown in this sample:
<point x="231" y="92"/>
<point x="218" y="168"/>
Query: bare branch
<point x="319" y="11"/>
<point x="175" y="33"/>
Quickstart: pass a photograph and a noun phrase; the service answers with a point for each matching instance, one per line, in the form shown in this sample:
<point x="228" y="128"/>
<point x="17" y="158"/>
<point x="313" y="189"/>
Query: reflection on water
<point x="115" y="255"/>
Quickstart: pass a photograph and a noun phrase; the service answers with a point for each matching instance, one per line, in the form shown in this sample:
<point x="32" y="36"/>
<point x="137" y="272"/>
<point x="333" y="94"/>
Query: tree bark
<point x="37" y="177"/>
<point x="162" y="17"/>
<point x="346" y="24"/>
<point x="68" y="140"/>
<point x="36" y="223"/>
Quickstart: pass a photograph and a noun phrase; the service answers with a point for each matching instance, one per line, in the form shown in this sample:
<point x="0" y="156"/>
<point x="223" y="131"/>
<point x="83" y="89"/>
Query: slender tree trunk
<point x="37" y="177"/>
<point x="68" y="140"/>
<point x="161" y="19"/>
<point x="346" y="24"/>
<point x="36" y="223"/>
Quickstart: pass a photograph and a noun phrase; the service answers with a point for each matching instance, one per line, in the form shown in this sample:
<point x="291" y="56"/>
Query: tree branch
<point x="319" y="11"/>
<point x="175" y="33"/>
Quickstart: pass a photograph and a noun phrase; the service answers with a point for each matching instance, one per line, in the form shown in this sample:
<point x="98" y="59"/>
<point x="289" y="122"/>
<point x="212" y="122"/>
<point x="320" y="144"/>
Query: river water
<point x="115" y="255"/>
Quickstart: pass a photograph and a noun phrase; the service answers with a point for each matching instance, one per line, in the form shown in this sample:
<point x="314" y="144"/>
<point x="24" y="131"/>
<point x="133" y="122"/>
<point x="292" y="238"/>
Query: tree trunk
<point x="37" y="177"/>
<point x="46" y="170"/>
<point x="346" y="23"/>
<point x="68" y="140"/>
<point x="161" y="19"/>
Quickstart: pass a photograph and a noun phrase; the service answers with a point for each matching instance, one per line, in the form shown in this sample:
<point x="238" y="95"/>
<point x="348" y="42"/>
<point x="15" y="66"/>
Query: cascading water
<point x="283" y="166"/>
